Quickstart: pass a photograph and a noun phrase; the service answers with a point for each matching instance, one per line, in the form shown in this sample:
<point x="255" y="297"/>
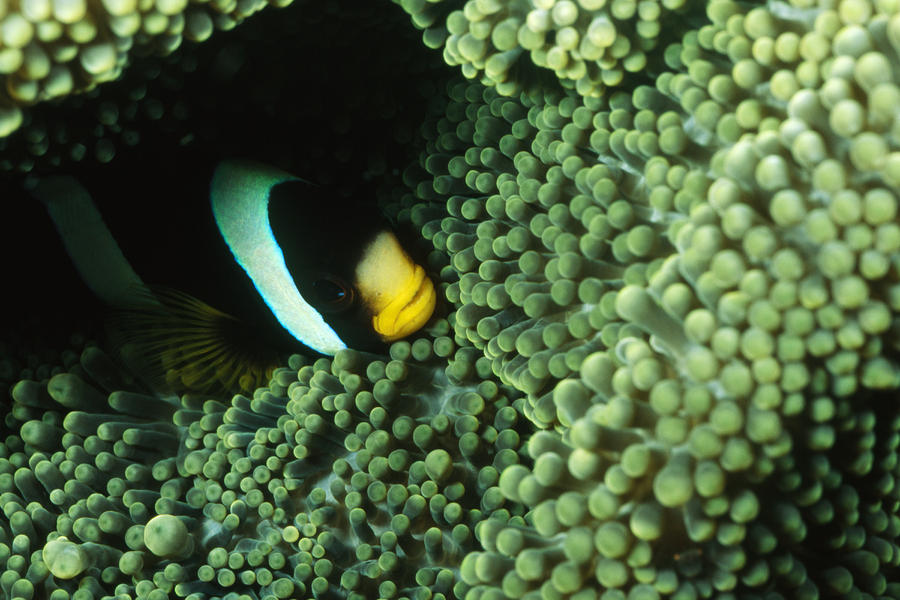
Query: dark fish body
<point x="256" y="261"/>
<point x="177" y="245"/>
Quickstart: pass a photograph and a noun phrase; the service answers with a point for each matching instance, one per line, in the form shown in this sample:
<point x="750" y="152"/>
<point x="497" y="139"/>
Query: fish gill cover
<point x="666" y="365"/>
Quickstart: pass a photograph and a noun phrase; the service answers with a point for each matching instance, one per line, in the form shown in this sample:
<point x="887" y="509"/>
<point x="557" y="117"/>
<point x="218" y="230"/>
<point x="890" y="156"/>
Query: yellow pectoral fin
<point x="181" y="343"/>
<point x="396" y="290"/>
<point x="409" y="310"/>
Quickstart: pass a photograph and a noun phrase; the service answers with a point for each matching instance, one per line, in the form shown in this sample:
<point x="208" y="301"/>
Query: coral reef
<point x="328" y="113"/>
<point x="351" y="476"/>
<point x="50" y="49"/>
<point x="666" y="236"/>
<point x="589" y="44"/>
<point x="693" y="282"/>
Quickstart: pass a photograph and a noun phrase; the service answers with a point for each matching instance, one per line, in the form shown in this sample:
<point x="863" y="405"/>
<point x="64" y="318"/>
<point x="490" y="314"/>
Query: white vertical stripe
<point x="240" y="198"/>
<point x="90" y="244"/>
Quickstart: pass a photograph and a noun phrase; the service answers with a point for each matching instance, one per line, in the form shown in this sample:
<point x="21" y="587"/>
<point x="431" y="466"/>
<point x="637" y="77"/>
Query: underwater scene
<point x="436" y="299"/>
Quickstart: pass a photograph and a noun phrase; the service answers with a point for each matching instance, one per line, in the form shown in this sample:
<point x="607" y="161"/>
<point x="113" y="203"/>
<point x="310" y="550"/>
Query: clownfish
<point x="271" y="263"/>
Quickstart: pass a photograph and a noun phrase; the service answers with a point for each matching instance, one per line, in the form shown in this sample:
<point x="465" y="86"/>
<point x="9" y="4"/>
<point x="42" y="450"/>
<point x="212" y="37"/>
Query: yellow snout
<point x="396" y="290"/>
<point x="409" y="310"/>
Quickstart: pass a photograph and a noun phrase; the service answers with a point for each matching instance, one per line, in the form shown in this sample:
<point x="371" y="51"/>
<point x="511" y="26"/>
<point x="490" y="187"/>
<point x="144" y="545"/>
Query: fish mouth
<point x="409" y="310"/>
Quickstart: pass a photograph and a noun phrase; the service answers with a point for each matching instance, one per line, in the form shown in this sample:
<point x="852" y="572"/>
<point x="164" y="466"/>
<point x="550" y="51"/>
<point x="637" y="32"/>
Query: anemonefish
<point x="271" y="262"/>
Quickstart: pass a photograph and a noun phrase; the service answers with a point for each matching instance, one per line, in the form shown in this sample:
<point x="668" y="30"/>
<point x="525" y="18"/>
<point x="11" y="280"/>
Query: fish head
<point x="349" y="266"/>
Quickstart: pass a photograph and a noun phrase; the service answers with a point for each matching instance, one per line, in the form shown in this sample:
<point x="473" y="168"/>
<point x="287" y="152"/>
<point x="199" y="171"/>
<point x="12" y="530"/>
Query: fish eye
<point x="333" y="293"/>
